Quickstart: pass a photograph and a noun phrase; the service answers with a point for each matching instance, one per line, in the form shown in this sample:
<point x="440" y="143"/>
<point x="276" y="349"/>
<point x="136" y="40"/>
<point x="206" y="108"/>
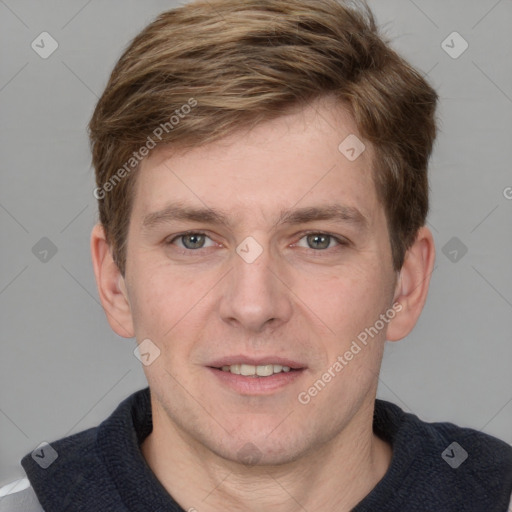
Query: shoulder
<point x="448" y="441"/>
<point x="485" y="461"/>
<point x="65" y="466"/>
<point x="19" y="496"/>
<point x="68" y="453"/>
<point x="67" y="472"/>
<point x="483" y="452"/>
<point x="445" y="463"/>
<point x="83" y="467"/>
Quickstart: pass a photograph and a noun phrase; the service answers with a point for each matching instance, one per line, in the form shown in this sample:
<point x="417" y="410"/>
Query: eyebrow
<point x="330" y="212"/>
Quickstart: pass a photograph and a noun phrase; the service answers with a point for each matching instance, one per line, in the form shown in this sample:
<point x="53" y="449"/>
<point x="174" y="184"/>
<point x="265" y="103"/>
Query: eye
<point x="191" y="240"/>
<point x="321" y="241"/>
<point x="317" y="241"/>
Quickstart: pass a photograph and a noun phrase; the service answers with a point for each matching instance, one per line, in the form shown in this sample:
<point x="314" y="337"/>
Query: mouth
<point x="261" y="370"/>
<point x="251" y="377"/>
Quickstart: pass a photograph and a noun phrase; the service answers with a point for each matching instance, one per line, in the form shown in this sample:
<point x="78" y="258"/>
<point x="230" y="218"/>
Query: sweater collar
<point x="105" y="465"/>
<point x="118" y="442"/>
<point x="140" y="490"/>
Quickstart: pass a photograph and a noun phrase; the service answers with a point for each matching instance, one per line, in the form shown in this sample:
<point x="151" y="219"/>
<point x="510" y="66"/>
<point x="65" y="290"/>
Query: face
<point x="266" y="253"/>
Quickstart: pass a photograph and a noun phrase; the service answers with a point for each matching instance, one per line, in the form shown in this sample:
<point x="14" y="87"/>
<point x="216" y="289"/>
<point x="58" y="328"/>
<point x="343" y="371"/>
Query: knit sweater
<point x="437" y="467"/>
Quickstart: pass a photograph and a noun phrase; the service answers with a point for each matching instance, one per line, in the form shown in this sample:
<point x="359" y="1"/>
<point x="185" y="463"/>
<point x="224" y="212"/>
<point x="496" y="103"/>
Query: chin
<point x="259" y="450"/>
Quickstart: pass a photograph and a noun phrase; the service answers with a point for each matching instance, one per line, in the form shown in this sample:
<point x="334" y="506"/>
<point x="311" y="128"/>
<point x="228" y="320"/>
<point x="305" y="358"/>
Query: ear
<point x="111" y="285"/>
<point x="412" y="285"/>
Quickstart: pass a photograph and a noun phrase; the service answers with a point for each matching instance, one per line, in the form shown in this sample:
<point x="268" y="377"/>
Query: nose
<point x="255" y="294"/>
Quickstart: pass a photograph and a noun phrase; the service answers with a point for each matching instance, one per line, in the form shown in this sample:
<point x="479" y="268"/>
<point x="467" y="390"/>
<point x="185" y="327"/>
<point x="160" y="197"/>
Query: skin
<point x="298" y="299"/>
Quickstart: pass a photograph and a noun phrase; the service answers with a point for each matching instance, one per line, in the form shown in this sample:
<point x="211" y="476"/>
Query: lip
<point x="247" y="385"/>
<point x="257" y="361"/>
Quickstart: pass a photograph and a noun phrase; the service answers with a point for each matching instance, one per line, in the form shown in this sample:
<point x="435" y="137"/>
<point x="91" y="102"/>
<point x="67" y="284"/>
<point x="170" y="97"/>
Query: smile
<point x="249" y="370"/>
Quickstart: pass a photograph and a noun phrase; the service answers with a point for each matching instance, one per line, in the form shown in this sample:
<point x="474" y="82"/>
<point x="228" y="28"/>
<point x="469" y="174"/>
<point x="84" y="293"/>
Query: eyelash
<point x="341" y="241"/>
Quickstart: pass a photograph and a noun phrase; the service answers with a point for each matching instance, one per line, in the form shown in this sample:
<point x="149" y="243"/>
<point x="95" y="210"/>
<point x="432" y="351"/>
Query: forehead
<point x="298" y="160"/>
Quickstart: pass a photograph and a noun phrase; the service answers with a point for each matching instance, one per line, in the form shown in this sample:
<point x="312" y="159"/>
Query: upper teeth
<point x="263" y="370"/>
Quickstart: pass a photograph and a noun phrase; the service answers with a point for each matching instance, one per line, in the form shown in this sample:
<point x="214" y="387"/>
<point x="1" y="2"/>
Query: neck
<point x="333" y="477"/>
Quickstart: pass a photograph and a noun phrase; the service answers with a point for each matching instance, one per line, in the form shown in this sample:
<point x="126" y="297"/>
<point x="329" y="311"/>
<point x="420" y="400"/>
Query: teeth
<point x="249" y="370"/>
<point x="265" y="371"/>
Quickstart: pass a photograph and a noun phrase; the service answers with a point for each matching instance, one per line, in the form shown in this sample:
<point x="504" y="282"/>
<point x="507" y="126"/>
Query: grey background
<point x="63" y="370"/>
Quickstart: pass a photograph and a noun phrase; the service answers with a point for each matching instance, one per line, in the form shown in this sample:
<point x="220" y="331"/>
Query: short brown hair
<point x="235" y="63"/>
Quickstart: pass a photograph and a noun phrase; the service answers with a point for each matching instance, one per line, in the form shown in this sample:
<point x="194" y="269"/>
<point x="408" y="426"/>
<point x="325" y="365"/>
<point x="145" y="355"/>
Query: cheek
<point x="168" y="305"/>
<point x="156" y="303"/>
<point x="349" y="301"/>
<point x="351" y="306"/>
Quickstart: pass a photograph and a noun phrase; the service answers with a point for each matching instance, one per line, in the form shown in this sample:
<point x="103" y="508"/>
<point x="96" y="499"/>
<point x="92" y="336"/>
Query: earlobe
<point x="111" y="286"/>
<point x="412" y="285"/>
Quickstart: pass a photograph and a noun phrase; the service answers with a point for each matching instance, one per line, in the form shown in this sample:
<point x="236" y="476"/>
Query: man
<point x="261" y="172"/>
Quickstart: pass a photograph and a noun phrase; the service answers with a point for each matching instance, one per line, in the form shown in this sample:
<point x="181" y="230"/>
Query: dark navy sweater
<point x="436" y="467"/>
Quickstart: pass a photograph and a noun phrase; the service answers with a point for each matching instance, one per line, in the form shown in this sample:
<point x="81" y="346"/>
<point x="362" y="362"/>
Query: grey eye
<point x="318" y="241"/>
<point x="191" y="240"/>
